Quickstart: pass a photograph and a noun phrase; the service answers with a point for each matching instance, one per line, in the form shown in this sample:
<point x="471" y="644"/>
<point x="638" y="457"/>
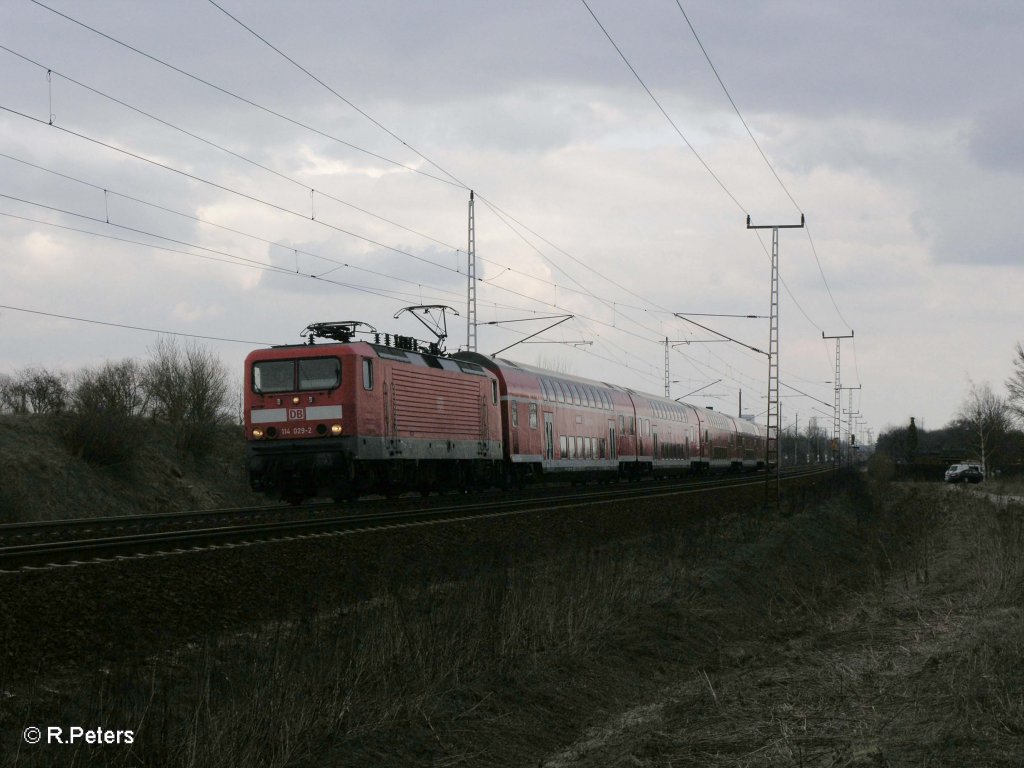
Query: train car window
<point x="514" y="409"/>
<point x="367" y="374"/>
<point x="494" y="391"/>
<point x="533" y="415"/>
<point x="575" y="393"/>
<point x="579" y="448"/>
<point x="319" y="373"/>
<point x="559" y="391"/>
<point x="601" y="447"/>
<point x="622" y="424"/>
<point x="273" y="376"/>
<point x="546" y="388"/>
<point x="591" y="402"/>
<point x="647" y="427"/>
<point x="632" y="425"/>
<point x="396" y="354"/>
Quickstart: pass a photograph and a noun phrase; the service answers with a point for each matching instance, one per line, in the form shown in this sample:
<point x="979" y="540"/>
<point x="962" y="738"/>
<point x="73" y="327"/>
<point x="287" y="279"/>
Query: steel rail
<point x="42" y="554"/>
<point x="54" y="529"/>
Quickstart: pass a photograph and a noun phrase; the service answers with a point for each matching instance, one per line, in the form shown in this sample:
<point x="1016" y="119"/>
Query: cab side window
<point x="367" y="374"/>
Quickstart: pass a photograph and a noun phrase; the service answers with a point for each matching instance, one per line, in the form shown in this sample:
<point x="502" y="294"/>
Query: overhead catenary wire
<point x="661" y="109"/>
<point x="228" y="258"/>
<point x="198" y="219"/>
<point x="250" y="102"/>
<point x="362" y="112"/>
<point x="582" y="290"/>
<point x="133" y="327"/>
<point x="256" y="105"/>
<point x="221" y="148"/>
<point x="501" y="214"/>
<point x="243" y="99"/>
<point x="764" y="157"/>
<point x="285" y="210"/>
<point x="735" y="108"/>
<point x="274" y="268"/>
<point x="257" y="200"/>
<point x="620" y="304"/>
<point x="693" y="149"/>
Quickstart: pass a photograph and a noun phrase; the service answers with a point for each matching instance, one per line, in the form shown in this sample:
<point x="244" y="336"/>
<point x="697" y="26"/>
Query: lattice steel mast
<point x="471" y="281"/>
<point x="836" y="444"/>
<point x="774" y="406"/>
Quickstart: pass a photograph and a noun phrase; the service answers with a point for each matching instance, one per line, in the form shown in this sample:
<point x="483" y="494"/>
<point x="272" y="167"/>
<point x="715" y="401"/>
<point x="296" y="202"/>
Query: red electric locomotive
<point x="349" y="417"/>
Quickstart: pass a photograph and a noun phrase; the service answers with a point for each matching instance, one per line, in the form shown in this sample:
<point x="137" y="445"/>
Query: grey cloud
<point x="996" y="140"/>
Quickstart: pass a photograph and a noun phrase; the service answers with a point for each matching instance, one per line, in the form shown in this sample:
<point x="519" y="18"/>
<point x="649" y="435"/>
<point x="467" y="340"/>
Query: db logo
<point x="296" y="414"/>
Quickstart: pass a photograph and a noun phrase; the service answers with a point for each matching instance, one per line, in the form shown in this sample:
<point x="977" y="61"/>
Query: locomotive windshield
<point x="308" y="374"/>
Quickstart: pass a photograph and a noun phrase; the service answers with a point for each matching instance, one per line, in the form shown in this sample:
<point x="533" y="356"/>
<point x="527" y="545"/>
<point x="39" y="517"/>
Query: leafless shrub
<point x="114" y="388"/>
<point x="34" y="390"/>
<point x="102" y="426"/>
<point x="7" y="401"/>
<point x="188" y="387"/>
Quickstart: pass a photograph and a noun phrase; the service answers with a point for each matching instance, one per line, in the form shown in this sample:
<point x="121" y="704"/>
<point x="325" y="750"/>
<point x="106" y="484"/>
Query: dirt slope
<point x="40" y="479"/>
<point x="923" y="669"/>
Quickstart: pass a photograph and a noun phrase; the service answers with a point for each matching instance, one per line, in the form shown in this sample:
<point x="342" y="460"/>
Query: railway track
<point x="77" y="542"/>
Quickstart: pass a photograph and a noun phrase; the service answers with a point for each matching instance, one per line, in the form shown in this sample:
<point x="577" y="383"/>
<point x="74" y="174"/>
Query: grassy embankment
<point x="44" y="475"/>
<point x="856" y="632"/>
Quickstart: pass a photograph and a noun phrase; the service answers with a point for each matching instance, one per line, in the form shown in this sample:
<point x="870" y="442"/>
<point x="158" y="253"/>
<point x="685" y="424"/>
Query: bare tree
<point x="986" y="417"/>
<point x="102" y="427"/>
<point x="1015" y="385"/>
<point x="8" y="394"/>
<point x="34" y="390"/>
<point x="188" y="387"/>
<point x="817" y="441"/>
<point x="114" y="388"/>
<point x="186" y="383"/>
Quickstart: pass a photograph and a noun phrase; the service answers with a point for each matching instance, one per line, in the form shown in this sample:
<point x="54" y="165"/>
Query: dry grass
<point x="41" y="479"/>
<point x="846" y="635"/>
<point x="925" y="669"/>
<point x="268" y="698"/>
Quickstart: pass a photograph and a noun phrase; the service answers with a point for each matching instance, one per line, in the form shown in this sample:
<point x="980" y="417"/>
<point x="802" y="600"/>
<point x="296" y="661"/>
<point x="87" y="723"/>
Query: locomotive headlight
<point x="335" y="429"/>
<point x="296" y="400"/>
<point x="257" y="433"/>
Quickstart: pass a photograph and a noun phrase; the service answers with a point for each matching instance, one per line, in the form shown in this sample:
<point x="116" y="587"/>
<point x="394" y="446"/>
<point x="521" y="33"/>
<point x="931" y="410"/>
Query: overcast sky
<point x="252" y="204"/>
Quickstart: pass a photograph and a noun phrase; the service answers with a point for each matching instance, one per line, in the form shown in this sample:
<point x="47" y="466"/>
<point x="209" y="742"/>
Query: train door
<point x="613" y="452"/>
<point x="513" y="408"/>
<point x="549" y="435"/>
